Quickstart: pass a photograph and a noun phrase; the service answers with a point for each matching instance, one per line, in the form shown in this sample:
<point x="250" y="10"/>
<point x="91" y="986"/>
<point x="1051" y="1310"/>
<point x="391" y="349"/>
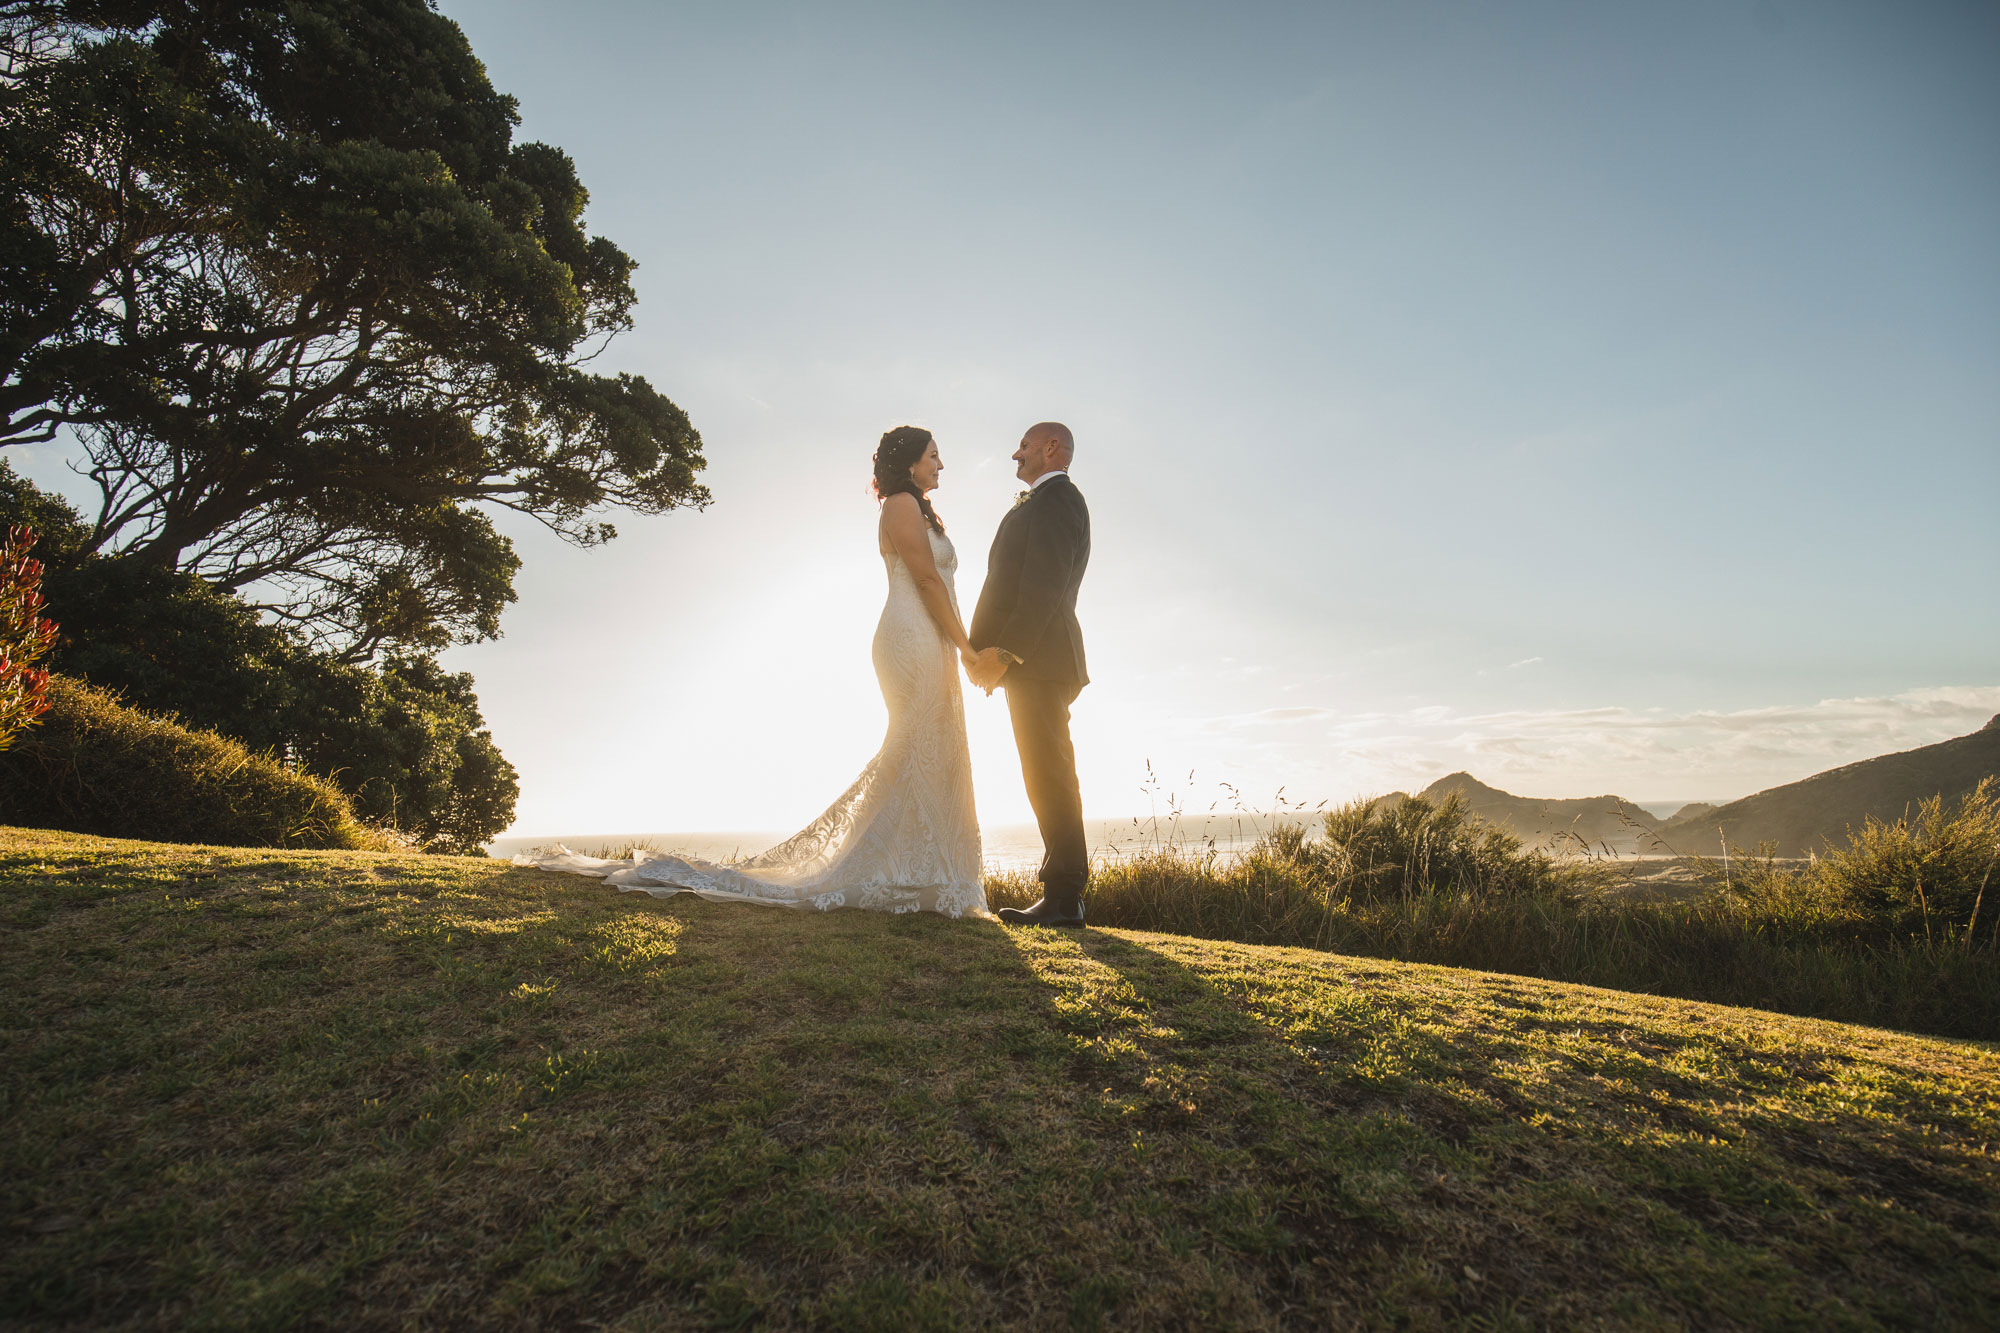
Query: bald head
<point x="1058" y="437"/>
<point x="1047" y="447"/>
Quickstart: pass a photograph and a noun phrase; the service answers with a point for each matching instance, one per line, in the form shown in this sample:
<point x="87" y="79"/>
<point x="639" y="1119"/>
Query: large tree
<point x="310" y="311"/>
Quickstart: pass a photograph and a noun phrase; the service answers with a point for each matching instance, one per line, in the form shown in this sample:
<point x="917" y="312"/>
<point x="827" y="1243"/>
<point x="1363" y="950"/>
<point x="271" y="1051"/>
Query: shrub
<point x="25" y="636"/>
<point x="96" y="766"/>
<point x="1370" y="850"/>
<point x="403" y="738"/>
<point x="405" y="741"/>
<point x="1377" y="873"/>
<point x="1930" y="873"/>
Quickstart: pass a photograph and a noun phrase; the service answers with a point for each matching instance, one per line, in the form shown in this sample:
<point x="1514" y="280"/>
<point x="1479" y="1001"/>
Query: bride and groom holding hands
<point x="905" y="836"/>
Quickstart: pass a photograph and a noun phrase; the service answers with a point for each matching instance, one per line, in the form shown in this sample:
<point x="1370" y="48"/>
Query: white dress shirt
<point x="1061" y="471"/>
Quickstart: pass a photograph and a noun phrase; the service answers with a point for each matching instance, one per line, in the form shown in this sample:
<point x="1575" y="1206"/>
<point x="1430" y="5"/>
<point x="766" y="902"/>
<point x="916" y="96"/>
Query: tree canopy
<point x="310" y="310"/>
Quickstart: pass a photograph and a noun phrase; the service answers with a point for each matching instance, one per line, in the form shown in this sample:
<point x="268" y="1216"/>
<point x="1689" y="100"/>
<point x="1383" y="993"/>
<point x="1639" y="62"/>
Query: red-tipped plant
<point x="26" y="635"/>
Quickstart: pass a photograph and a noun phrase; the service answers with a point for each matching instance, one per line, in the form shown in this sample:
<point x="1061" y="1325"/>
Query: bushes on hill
<point x="403" y="739"/>
<point x="407" y="744"/>
<point x="96" y="766"/>
<point x="1402" y="869"/>
<point x="1881" y="931"/>
<point x="1368" y="849"/>
<point x="1934" y="873"/>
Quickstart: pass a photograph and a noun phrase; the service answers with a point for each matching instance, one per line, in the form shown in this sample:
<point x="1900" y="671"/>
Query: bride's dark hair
<point x="900" y="449"/>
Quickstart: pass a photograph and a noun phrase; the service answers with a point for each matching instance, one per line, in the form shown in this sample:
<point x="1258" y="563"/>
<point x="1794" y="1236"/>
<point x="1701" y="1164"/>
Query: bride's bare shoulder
<point x="898" y="511"/>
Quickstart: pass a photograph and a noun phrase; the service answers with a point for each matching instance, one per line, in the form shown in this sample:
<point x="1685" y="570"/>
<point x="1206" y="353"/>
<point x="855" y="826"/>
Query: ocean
<point x="1008" y="847"/>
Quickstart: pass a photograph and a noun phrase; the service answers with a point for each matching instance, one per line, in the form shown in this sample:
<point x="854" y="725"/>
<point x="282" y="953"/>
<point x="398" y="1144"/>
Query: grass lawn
<point x="249" y="1088"/>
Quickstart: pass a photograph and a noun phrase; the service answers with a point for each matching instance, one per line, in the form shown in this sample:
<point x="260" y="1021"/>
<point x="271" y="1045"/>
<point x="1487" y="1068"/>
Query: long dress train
<point x="903" y="838"/>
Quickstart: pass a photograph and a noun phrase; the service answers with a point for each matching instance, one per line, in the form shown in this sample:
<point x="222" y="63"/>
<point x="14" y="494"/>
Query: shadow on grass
<point x="1490" y="1147"/>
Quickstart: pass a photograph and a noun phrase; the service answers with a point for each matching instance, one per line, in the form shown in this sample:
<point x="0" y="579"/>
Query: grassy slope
<point x="249" y="1087"/>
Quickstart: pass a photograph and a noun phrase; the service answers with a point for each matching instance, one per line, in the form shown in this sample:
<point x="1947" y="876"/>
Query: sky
<point x="1599" y="398"/>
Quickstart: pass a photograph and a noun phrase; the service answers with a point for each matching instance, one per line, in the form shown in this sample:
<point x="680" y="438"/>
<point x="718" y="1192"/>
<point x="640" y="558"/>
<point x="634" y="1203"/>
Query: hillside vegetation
<point x="1898" y="927"/>
<point x="92" y="764"/>
<point x="351" y="1089"/>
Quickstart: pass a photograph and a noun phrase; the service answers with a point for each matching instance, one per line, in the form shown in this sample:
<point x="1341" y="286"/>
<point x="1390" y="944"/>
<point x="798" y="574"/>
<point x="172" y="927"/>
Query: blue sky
<point x="1598" y="397"/>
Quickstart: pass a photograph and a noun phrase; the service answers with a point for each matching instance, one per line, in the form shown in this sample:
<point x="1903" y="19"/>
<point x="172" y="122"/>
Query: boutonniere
<point x="1021" y="499"/>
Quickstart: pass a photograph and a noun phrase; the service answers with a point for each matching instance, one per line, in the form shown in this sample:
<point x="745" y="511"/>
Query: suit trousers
<point x="1040" y="711"/>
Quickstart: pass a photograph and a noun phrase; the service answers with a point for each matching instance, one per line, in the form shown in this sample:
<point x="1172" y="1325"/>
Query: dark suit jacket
<point x="1028" y="605"/>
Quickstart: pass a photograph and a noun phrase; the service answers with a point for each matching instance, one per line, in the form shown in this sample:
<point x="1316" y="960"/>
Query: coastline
<point x="1007" y="847"/>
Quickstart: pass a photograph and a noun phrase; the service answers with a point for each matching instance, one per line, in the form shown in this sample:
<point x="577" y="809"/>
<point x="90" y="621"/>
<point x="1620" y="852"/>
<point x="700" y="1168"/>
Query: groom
<point x="1025" y="633"/>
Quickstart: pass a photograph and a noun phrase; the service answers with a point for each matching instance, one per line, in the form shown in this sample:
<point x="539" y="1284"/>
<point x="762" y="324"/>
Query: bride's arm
<point x="907" y="533"/>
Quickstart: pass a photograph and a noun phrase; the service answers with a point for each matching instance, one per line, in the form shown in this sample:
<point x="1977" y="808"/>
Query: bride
<point x="905" y="836"/>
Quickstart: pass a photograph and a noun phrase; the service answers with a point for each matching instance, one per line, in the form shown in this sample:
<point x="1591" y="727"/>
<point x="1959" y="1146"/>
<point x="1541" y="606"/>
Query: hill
<point x="350" y="1089"/>
<point x="1608" y="821"/>
<point x="1808" y="815"/>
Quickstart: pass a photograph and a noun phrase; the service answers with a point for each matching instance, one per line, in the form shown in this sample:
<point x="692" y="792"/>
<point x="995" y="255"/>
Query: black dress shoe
<point x="1042" y="913"/>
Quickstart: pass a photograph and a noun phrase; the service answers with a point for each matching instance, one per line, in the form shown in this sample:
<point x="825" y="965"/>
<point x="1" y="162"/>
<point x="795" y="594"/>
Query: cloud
<point x="1526" y="661"/>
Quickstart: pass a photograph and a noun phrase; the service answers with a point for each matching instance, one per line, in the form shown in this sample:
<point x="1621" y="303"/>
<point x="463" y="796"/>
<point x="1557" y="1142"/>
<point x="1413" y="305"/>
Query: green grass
<point x="351" y="1089"/>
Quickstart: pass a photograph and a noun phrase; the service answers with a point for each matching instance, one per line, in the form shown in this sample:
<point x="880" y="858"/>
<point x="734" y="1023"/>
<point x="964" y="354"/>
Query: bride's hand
<point x="984" y="669"/>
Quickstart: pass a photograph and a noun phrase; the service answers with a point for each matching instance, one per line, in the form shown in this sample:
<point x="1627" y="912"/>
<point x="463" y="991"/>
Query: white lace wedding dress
<point x="903" y="838"/>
